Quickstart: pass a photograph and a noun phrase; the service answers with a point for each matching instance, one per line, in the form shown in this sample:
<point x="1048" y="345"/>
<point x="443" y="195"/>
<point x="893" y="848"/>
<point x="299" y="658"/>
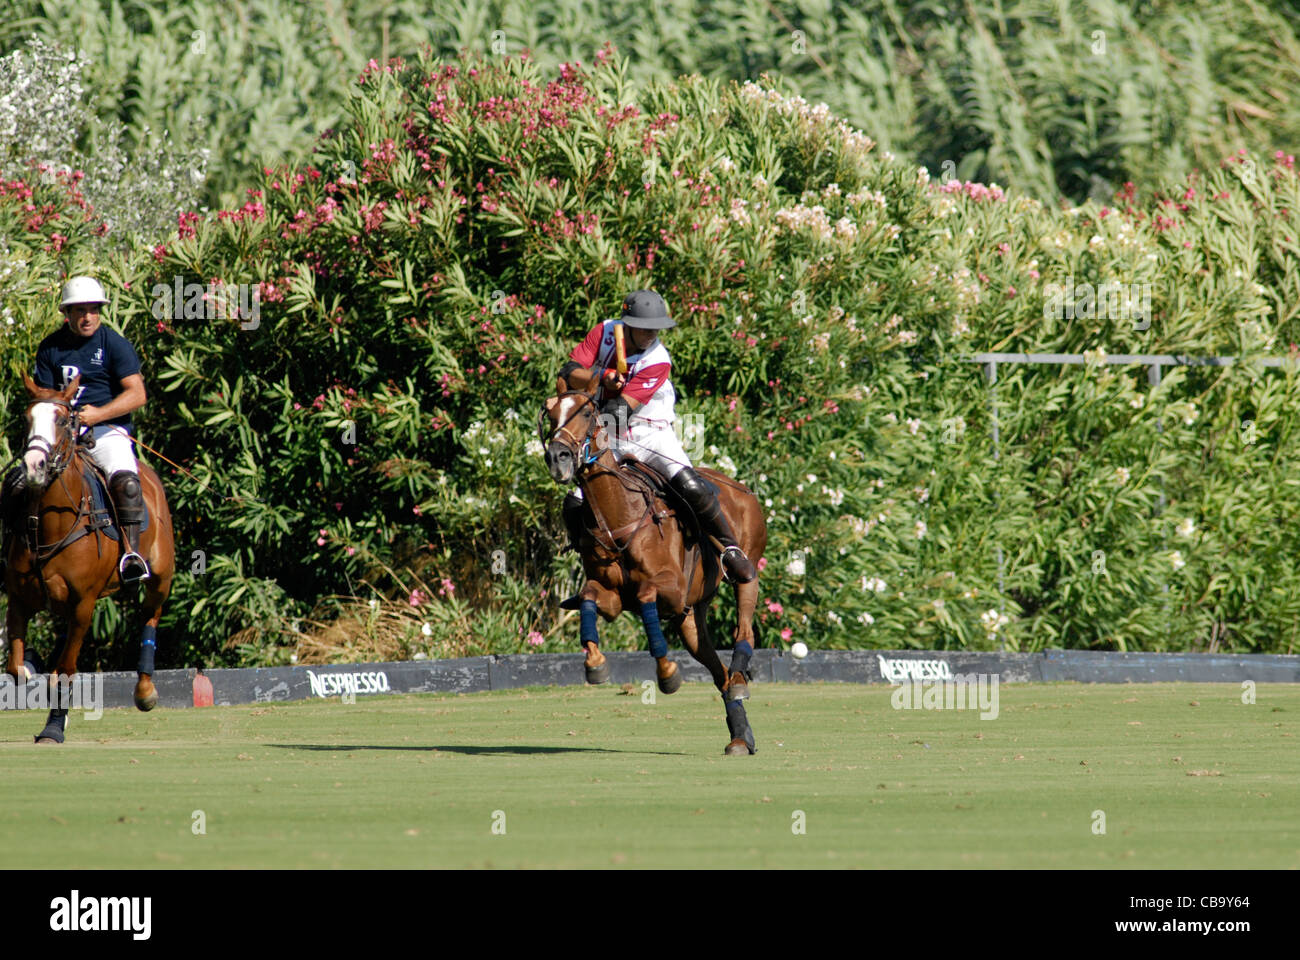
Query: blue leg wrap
<point x="587" y="629"/>
<point x="655" y="633"/>
<point x="148" y="644"/>
<point x="740" y="656"/>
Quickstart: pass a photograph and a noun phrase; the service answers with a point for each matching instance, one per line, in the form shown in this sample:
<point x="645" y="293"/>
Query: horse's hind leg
<point x="742" y="737"/>
<point x="156" y="590"/>
<point x="695" y="636"/>
<point x="746" y="601"/>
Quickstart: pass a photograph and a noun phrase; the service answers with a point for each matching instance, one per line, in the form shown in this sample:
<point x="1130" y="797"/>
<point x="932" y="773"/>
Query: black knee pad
<point x="693" y="488"/>
<point x="126" y="484"/>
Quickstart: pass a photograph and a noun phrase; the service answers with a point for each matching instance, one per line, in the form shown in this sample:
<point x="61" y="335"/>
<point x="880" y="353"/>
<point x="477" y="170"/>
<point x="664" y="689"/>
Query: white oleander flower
<point x="993" y="621"/>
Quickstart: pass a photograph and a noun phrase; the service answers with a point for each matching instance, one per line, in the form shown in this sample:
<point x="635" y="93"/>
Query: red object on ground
<point x="202" y="691"/>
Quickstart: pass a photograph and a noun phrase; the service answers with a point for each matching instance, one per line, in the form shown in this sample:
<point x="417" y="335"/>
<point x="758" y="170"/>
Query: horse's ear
<point x="70" y="390"/>
<point x="561" y="386"/>
<point x="42" y="393"/>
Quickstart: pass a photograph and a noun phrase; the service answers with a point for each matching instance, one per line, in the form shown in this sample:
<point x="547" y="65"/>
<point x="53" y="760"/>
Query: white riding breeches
<point x="113" y="450"/>
<point x="654" y="443"/>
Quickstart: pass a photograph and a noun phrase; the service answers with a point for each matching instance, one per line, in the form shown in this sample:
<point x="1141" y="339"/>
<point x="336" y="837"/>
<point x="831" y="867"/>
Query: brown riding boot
<point x="713" y="522"/>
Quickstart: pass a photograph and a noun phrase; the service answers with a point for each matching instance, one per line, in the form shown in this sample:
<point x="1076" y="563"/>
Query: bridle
<point x="586" y="461"/>
<point x="57" y="458"/>
<point x="60" y="454"/>
<point x="584" y="456"/>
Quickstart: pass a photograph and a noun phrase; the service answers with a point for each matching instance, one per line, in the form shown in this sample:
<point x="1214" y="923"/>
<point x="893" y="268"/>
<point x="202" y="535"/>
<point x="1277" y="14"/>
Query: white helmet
<point x="82" y="290"/>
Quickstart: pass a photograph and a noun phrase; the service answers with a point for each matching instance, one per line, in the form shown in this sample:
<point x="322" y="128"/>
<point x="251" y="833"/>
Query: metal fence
<point x="1152" y="361"/>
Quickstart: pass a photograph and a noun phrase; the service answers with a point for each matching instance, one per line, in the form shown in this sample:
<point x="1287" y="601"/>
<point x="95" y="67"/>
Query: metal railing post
<point x="991" y="369"/>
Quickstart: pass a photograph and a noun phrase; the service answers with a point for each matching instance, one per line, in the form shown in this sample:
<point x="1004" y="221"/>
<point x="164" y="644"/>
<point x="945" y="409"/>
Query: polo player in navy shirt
<point x="111" y="390"/>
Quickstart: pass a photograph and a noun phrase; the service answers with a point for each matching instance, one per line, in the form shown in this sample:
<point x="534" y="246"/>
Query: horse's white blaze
<point x="42" y="415"/>
<point x="566" y="409"/>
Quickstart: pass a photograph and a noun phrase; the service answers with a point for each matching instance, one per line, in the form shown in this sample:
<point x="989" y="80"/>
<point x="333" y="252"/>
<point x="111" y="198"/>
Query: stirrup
<point x="136" y="563"/>
<point x="735" y="551"/>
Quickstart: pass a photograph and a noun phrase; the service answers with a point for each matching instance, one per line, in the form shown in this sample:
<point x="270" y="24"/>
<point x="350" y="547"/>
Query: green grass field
<point x="1186" y="775"/>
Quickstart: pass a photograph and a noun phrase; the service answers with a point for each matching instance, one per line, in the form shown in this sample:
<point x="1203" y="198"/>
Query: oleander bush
<point x="1059" y="99"/>
<point x="366" y="429"/>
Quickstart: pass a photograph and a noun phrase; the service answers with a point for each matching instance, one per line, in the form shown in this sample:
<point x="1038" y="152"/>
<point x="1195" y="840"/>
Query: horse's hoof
<point x="146" y="694"/>
<point x="737" y="688"/>
<point x="599" y="673"/>
<point x="671" y="682"/>
<point x="739" y="748"/>
<point x="45" y="738"/>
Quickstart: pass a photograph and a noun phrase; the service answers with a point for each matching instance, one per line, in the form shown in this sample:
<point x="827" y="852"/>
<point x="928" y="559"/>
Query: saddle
<point x="664" y="490"/>
<point x="103" y="516"/>
<point x="95" y="512"/>
<point x="677" y="507"/>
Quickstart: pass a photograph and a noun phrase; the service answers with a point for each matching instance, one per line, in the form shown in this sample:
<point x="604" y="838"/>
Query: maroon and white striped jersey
<point x="647" y="373"/>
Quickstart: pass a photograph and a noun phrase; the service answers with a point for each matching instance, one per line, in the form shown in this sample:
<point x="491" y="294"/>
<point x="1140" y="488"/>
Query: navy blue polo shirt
<point x="102" y="359"/>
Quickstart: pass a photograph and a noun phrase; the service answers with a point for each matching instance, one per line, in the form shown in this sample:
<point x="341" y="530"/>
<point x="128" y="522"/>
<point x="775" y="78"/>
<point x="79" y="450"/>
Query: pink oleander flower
<point x="786" y="634"/>
<point x="416" y="598"/>
<point x="536" y="639"/>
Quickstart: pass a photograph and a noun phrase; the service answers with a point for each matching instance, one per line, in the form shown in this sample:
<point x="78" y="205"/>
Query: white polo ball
<point x="800" y="650"/>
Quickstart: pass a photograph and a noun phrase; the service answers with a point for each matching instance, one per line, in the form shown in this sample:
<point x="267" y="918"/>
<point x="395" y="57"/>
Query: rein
<point x="59" y="456"/>
<point x="587" y="460"/>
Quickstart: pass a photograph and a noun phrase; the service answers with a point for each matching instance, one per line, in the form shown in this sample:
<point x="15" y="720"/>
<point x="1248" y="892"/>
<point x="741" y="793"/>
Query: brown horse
<point x="62" y="560"/>
<point x="639" y="557"/>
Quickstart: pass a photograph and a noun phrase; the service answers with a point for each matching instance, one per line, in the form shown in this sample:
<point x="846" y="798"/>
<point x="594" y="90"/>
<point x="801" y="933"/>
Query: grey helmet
<point x="647" y="310"/>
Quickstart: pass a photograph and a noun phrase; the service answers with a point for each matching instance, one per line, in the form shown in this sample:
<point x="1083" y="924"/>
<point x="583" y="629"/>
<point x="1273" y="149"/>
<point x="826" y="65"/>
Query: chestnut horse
<point x="640" y="557"/>
<point x="61" y="559"/>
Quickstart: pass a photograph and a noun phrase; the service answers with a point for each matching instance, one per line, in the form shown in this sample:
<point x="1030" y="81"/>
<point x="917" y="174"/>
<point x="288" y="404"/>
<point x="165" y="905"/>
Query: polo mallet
<point x="620" y="351"/>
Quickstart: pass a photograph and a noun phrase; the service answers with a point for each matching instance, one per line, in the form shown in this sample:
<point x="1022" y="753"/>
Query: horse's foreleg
<point x="596" y="665"/>
<point x="670" y="677"/>
<point x="64" y="670"/>
<point x="155" y="592"/>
